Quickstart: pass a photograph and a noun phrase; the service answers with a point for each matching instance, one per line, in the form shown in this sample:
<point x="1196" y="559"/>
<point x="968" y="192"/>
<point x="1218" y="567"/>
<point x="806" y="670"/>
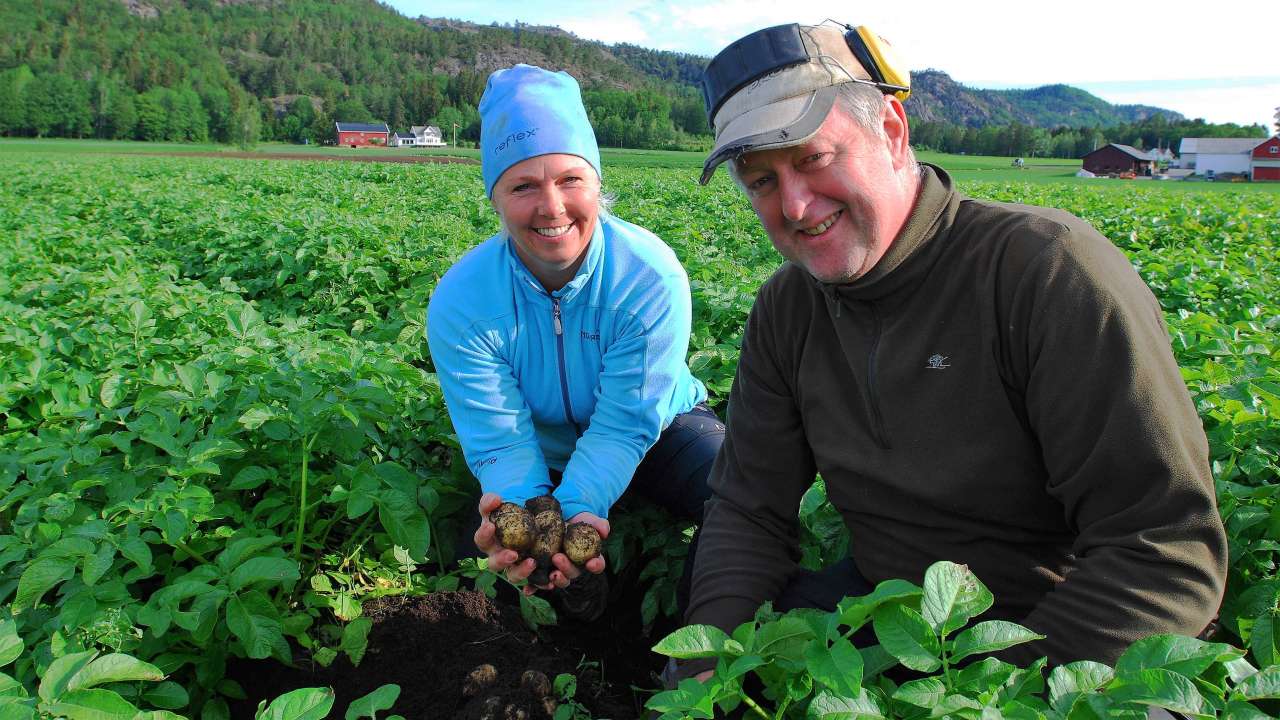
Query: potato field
<point x="229" y="486"/>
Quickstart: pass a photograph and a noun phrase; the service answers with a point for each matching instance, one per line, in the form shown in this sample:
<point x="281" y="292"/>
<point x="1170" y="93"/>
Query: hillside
<point x="935" y="97"/>
<point x="235" y="70"/>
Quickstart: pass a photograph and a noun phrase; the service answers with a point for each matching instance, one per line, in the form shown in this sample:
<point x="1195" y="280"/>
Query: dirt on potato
<point x="430" y="645"/>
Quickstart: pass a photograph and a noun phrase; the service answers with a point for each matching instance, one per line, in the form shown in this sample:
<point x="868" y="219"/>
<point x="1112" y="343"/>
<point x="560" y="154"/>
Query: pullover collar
<point x="915" y="249"/>
<point x="595" y="252"/>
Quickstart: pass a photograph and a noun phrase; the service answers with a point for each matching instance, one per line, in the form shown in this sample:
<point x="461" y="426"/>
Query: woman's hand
<point x="503" y="560"/>
<point x="565" y="571"/>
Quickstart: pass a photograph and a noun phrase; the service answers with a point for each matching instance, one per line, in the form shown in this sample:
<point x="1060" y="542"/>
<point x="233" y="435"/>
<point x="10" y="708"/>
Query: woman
<point x="560" y="342"/>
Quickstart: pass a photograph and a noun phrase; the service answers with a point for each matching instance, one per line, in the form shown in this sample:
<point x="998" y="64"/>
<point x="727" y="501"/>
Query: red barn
<point x="1117" y="159"/>
<point x="363" y="134"/>
<point x="1264" y="163"/>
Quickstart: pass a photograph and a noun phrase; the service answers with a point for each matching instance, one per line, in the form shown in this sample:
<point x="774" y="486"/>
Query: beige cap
<point x="786" y="106"/>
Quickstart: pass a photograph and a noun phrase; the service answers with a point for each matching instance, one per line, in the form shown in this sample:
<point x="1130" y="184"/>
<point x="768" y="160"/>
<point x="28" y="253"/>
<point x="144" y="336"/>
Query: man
<point x="986" y="383"/>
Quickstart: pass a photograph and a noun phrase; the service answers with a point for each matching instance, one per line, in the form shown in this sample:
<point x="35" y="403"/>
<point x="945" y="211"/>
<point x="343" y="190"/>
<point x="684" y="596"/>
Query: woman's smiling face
<point x="549" y="205"/>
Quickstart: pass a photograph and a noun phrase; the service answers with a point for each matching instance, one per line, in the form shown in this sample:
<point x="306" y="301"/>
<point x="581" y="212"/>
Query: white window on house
<point x="1274" y="149"/>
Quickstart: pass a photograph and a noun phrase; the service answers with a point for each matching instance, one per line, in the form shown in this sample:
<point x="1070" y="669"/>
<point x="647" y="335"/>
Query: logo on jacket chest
<point x="937" y="362"/>
<point x="589" y="335"/>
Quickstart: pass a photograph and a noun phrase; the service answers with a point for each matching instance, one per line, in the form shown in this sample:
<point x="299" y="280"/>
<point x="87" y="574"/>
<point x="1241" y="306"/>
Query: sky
<point x="1207" y="63"/>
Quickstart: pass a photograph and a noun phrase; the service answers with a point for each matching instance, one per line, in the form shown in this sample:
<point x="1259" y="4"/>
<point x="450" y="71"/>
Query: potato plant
<point x="220" y="431"/>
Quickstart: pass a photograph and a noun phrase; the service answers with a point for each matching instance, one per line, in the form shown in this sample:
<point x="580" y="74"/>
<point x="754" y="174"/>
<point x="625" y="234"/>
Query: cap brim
<point x="784" y="123"/>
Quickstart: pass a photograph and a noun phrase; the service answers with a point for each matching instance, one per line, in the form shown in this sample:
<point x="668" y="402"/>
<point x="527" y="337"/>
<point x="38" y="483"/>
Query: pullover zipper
<point x="877" y="421"/>
<point x="564" y="380"/>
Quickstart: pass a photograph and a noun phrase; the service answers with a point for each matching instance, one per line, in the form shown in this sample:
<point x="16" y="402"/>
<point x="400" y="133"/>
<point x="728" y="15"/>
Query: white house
<point x="427" y="136"/>
<point x="1219" y="155"/>
<point x="418" y="136"/>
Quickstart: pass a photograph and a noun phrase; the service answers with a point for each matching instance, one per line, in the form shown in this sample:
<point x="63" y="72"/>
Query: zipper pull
<point x="555" y="315"/>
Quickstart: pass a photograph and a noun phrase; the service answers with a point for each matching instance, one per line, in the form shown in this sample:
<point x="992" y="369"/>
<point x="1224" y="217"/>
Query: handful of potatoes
<point x="537" y="530"/>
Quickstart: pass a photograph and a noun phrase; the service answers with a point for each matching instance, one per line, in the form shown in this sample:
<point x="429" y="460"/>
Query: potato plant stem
<point x="302" y="499"/>
<point x="191" y="551"/>
<point x="746" y="700"/>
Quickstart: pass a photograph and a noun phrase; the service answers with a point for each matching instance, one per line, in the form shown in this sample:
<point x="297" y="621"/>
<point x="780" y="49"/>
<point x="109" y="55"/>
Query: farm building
<point x="1117" y="159"/>
<point x="418" y="136"/>
<point x="1265" y="163"/>
<point x="427" y="136"/>
<point x="363" y="134"/>
<point x="1219" y="155"/>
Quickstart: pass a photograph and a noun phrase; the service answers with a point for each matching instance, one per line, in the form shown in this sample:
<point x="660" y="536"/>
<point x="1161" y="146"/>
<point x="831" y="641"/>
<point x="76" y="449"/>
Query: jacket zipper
<point x="877" y="421"/>
<point x="564" y="380"/>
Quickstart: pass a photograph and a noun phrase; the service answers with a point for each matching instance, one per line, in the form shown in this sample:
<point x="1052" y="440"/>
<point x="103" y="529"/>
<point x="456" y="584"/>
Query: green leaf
<point x="1265" y="685"/>
<point x="864" y="706"/>
<point x="692" y="641"/>
<point x="854" y="612"/>
<point x="12" y="709"/>
<point x="838" y="667"/>
<point x="249" y="477"/>
<point x="1077" y="677"/>
<point x="252" y="619"/>
<point x="114" y="667"/>
<point x="41" y="575"/>
<point x="1239" y="710"/>
<point x="168" y="695"/>
<point x="355" y="639"/>
<point x="97" y="564"/>
<point x="273" y="571"/>
<point x="925" y="692"/>
<point x="952" y="596"/>
<point x="10" y="642"/>
<point x="95" y="704"/>
<point x="404" y="521"/>
<point x="1184" y="655"/>
<point x="254" y="417"/>
<point x="905" y="635"/>
<point x="110" y="392"/>
<point x="1160" y="688"/>
<point x="875" y="660"/>
<point x="301" y="704"/>
<point x="1264" y="639"/>
<point x="244" y="321"/>
<point x="990" y="636"/>
<point x="370" y="705"/>
<point x="54" y="681"/>
<point x="536" y="611"/>
<point x="137" y="551"/>
<point x="784" y="638"/>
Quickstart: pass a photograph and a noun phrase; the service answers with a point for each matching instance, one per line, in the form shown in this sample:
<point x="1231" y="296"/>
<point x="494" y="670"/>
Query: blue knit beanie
<point x="527" y="111"/>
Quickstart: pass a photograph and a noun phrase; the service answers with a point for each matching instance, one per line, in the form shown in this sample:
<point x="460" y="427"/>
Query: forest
<point x="201" y="71"/>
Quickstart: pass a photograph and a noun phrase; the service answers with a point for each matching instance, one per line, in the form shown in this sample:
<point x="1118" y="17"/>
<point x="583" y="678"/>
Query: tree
<point x="13" y="107"/>
<point x="58" y="105"/>
<point x="246" y="124"/>
<point x="352" y="110"/>
<point x="1277" y="116"/>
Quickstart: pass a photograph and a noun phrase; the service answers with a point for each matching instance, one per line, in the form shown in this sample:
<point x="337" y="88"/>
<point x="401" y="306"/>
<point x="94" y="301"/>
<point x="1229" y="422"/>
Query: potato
<point x="536" y="683"/>
<point x="581" y="543"/>
<point x="548" y="537"/>
<point x="479" y="679"/>
<point x="515" y="528"/>
<point x="542" y="503"/>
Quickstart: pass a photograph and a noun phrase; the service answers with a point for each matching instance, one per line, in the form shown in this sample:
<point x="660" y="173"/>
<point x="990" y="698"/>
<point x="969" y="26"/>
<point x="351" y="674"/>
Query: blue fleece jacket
<point x="587" y="393"/>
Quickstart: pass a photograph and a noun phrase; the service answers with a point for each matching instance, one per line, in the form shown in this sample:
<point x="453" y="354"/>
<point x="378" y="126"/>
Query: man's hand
<point x="500" y="559"/>
<point x="565" y="571"/>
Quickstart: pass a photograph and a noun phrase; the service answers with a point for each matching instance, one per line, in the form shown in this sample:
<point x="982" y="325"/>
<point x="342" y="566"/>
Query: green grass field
<point x="985" y="168"/>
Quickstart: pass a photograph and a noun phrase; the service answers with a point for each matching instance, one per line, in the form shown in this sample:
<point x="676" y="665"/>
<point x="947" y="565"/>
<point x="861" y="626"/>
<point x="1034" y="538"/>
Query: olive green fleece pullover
<point x="998" y="391"/>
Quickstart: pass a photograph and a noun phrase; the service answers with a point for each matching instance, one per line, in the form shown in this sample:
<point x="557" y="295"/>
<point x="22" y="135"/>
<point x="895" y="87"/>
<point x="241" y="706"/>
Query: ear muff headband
<point x="881" y="64"/>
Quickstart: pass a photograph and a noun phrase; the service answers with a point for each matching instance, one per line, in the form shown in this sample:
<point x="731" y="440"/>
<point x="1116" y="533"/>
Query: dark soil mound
<point x="428" y="646"/>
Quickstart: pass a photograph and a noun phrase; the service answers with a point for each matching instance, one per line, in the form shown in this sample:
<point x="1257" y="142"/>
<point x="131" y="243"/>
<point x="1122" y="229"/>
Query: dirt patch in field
<point x="428" y="645"/>
<point x="431" y="159"/>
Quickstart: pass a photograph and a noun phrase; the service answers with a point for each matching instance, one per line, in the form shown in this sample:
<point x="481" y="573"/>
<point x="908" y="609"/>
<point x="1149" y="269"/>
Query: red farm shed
<point x="363" y="134"/>
<point x="1264" y="163"/>
<point x="1117" y="159"/>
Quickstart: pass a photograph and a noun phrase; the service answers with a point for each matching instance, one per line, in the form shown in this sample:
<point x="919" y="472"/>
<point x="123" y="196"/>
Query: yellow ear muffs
<point x="877" y="56"/>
